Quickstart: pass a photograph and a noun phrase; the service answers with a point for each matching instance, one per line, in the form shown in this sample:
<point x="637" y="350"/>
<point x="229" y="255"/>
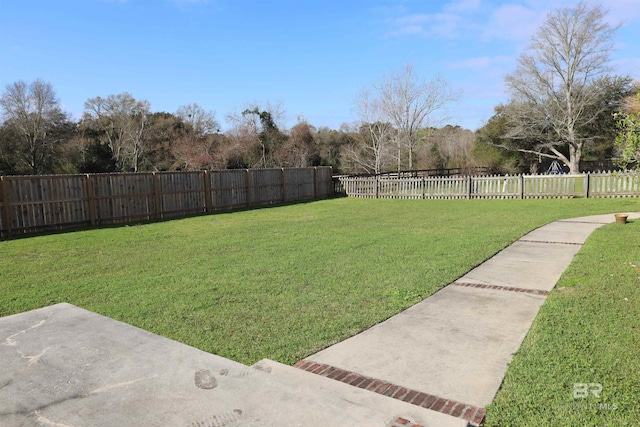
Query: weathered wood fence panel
<point x="323" y="182"/>
<point x="362" y="187"/>
<point x="267" y="187"/>
<point x="406" y="188"/>
<point x="122" y="197"/>
<point x="43" y="200"/>
<point x="181" y="193"/>
<point x="299" y="184"/>
<point x="603" y="184"/>
<point x="613" y="185"/>
<point x="551" y="186"/>
<point x="229" y="189"/>
<point x="495" y="187"/>
<point x="36" y="203"/>
<point x="446" y="187"/>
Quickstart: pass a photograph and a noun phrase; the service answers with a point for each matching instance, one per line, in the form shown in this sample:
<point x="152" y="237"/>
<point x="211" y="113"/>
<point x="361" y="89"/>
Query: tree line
<point x="119" y="133"/>
<point x="565" y="104"/>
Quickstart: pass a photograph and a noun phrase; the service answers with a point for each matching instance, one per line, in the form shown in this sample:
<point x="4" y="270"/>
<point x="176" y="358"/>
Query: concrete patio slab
<point x="65" y="366"/>
<point x="456" y="344"/>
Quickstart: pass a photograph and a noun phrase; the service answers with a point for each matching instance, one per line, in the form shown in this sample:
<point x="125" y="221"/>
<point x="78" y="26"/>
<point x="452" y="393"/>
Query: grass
<point x="588" y="331"/>
<point x="280" y="282"/>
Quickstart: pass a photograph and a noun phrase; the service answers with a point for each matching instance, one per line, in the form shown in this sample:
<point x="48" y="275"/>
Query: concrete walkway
<point x="454" y="347"/>
<point x="439" y="363"/>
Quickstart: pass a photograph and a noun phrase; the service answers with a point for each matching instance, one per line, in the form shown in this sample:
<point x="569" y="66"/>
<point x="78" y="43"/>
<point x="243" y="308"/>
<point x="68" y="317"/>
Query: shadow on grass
<point x="58" y="229"/>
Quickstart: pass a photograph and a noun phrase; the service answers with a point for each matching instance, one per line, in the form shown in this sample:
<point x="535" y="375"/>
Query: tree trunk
<point x="410" y="157"/>
<point x="575" y="152"/>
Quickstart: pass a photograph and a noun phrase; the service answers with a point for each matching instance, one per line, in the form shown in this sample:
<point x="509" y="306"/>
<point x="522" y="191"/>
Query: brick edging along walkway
<point x="553" y="243"/>
<point x="501" y="288"/>
<point x="470" y="413"/>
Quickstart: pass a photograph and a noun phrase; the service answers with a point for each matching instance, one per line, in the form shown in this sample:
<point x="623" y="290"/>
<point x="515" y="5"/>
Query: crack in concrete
<point x="48" y="422"/>
<point x="32" y="359"/>
<point x="76" y="397"/>
<point x="119" y="385"/>
<point x="10" y="342"/>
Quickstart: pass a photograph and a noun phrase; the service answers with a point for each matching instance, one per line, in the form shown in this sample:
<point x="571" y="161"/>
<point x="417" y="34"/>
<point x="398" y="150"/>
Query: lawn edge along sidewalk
<point x="450" y="352"/>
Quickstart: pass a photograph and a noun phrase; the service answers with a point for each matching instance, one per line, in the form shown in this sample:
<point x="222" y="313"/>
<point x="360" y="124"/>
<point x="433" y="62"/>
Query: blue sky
<point x="311" y="56"/>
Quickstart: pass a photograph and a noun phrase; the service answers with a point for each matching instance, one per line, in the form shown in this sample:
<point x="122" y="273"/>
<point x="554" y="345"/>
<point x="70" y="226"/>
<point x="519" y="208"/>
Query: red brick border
<point x="502" y="288"/>
<point x="580" y="222"/>
<point x="470" y="413"/>
<point x="555" y="243"/>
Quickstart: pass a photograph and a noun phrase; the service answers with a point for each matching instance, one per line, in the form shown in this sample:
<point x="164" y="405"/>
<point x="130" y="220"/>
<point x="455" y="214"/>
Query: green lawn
<point x="280" y="282"/>
<point x="587" y="332"/>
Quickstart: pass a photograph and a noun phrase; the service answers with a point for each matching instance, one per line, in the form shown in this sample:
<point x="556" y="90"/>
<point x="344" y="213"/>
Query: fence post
<point x="155" y="179"/>
<point x="315" y="183"/>
<point x="469" y="187"/>
<point x="377" y="180"/>
<point x="587" y="184"/>
<point x="521" y="186"/>
<point x="91" y="201"/>
<point x="283" y="186"/>
<point x="207" y="192"/>
<point x="424" y="188"/>
<point x="6" y="211"/>
<point x="249" y="188"/>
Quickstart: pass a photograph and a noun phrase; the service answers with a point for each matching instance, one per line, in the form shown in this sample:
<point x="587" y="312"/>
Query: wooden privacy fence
<point x="603" y="184"/>
<point x="35" y="203"/>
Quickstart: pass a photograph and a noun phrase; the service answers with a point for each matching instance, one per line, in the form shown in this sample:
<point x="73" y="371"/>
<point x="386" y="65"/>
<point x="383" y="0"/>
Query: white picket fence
<point x="601" y="184"/>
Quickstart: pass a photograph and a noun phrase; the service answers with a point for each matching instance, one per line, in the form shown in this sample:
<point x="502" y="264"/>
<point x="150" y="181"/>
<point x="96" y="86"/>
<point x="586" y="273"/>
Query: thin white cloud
<point x="188" y="2"/>
<point x="445" y="25"/>
<point x="407" y="30"/>
<point x="463" y="6"/>
<point x="518" y="21"/>
<point x="628" y="66"/>
<point x="513" y="22"/>
<point x="487" y="67"/>
<point x="479" y="63"/>
<point x="623" y="11"/>
<point x="454" y="18"/>
<point x="176" y="2"/>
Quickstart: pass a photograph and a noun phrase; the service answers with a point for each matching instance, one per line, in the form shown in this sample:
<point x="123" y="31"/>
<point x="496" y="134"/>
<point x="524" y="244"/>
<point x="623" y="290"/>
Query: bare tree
<point x="121" y="122"/>
<point x="33" y="110"/>
<point x="374" y="151"/>
<point x="202" y="122"/>
<point x="557" y="87"/>
<point x="409" y="102"/>
<point x="455" y="144"/>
